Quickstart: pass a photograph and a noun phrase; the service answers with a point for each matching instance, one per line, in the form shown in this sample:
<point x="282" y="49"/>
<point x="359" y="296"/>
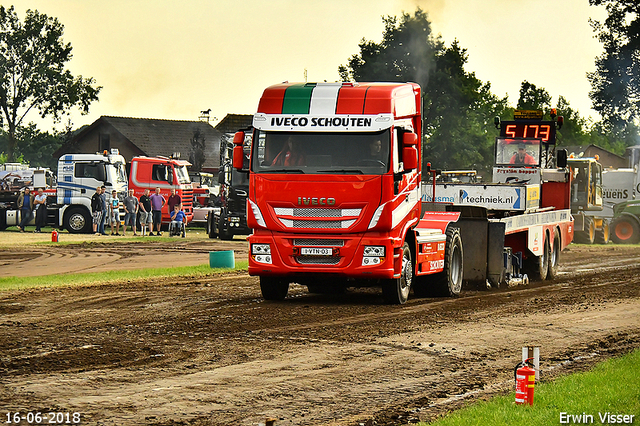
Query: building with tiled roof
<point x="195" y="141"/>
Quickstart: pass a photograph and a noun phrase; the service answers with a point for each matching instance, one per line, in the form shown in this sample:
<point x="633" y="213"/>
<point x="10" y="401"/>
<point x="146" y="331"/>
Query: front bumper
<point x="313" y="255"/>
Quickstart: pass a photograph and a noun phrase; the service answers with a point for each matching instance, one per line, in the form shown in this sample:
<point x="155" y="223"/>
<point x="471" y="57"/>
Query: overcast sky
<point x="171" y="60"/>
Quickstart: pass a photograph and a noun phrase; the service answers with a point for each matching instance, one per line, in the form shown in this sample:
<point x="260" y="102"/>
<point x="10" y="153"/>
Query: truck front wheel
<point x="224" y="232"/>
<point x="274" y="288"/>
<point x="78" y="221"/>
<point x="395" y="291"/>
<point x="625" y="230"/>
<point x="211" y="225"/>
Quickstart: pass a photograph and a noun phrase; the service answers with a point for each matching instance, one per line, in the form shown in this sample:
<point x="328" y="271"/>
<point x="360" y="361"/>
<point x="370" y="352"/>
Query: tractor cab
<point x="586" y="184"/>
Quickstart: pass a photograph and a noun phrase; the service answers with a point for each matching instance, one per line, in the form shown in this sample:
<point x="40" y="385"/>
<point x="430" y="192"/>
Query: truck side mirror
<point x="410" y="157"/>
<point x="221" y="176"/>
<point x="238" y="151"/>
<point x="410" y="151"/>
<point x="409" y="139"/>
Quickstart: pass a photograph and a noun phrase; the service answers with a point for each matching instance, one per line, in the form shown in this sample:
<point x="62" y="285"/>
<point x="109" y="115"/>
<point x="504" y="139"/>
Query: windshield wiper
<point x="283" y="171"/>
<point x="355" y="171"/>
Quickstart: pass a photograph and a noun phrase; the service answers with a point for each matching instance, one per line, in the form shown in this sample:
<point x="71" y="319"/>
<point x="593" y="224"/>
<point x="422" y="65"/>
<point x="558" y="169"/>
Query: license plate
<point x="316" y="251"/>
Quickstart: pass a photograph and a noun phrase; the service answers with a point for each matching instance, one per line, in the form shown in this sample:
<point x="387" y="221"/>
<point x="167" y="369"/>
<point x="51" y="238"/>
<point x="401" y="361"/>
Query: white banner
<point x="322" y="123"/>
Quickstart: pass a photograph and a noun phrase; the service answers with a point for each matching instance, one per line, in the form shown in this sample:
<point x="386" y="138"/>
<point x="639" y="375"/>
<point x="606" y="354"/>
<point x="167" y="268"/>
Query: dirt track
<point x="212" y="352"/>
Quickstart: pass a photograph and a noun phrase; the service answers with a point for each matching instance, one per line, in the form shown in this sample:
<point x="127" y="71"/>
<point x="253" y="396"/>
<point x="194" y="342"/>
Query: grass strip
<point x="611" y="388"/>
<point x="61" y="280"/>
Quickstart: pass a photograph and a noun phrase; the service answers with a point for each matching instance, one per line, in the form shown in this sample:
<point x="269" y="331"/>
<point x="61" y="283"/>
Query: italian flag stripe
<point x="297" y="99"/>
<point x="325" y="98"/>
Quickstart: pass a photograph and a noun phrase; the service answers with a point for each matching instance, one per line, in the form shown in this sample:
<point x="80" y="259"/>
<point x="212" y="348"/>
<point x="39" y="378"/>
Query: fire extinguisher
<point x="525" y="377"/>
<point x="54" y="236"/>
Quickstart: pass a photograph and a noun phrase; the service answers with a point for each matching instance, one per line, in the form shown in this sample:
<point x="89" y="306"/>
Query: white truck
<point x="77" y="179"/>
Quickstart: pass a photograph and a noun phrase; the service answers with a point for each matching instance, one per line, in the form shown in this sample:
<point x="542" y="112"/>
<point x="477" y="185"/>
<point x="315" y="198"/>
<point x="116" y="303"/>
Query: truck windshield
<point x="321" y="153"/>
<point x="517" y="152"/>
<point x="182" y="174"/>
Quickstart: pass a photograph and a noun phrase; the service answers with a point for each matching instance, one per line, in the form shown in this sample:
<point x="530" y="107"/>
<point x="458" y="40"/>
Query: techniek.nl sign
<point x="492" y="197"/>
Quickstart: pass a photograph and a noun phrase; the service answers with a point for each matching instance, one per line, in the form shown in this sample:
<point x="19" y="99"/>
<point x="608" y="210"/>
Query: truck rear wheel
<point x="537" y="267"/>
<point x="603" y="236"/>
<point x="395" y="291"/>
<point x="554" y="256"/>
<point x="78" y="221"/>
<point x="625" y="230"/>
<point x="449" y="281"/>
<point x="274" y="288"/>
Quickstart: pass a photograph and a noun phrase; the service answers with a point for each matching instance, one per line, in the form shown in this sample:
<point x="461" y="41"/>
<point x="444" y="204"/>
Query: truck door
<point x="88" y="176"/>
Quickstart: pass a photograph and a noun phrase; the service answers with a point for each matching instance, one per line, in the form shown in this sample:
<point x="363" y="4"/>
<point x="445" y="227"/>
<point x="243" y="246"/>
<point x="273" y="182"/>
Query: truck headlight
<point x="374" y="251"/>
<point x="261" y="253"/>
<point x="373" y="255"/>
<point x="260" y="249"/>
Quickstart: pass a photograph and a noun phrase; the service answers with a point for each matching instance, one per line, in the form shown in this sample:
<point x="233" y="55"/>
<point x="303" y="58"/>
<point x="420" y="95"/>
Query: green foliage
<point x="532" y="98"/>
<point x="615" y="89"/>
<point x="458" y="107"/>
<point x="36" y="148"/>
<point x="4" y="158"/>
<point x="33" y="75"/>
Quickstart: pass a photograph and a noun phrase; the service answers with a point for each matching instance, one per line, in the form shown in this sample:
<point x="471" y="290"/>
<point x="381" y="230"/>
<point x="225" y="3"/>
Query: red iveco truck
<point x="335" y="196"/>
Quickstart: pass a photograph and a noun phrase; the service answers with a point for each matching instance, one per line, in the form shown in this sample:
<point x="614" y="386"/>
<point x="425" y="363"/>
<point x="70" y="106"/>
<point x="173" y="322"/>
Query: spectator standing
<point x="114" y="215"/>
<point x="131" y="210"/>
<point x="157" y="202"/>
<point x="40" y="202"/>
<point x="105" y="210"/>
<point x="146" y="217"/>
<point x="25" y="205"/>
<point x="174" y="199"/>
<point x="96" y="209"/>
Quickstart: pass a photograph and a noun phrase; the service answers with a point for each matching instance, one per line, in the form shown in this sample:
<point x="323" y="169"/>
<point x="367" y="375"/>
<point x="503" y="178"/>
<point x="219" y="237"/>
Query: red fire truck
<point x="335" y="197"/>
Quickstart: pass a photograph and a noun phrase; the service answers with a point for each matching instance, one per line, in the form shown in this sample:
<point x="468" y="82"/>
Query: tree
<point x="574" y="131"/>
<point x="33" y="75"/>
<point x="615" y="84"/>
<point x="458" y="107"/>
<point x="532" y="98"/>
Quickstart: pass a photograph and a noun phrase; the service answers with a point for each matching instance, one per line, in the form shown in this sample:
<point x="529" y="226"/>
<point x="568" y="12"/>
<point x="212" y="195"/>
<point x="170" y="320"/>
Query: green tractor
<point x="625" y="226"/>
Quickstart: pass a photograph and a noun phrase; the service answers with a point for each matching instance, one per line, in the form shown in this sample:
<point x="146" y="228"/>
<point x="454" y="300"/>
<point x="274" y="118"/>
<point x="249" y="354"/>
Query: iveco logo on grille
<point x="316" y="201"/>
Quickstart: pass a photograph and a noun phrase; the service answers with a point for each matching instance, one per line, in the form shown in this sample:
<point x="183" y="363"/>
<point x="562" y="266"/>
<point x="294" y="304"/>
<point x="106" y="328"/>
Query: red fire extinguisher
<point x="525" y="380"/>
<point x="54" y="236"/>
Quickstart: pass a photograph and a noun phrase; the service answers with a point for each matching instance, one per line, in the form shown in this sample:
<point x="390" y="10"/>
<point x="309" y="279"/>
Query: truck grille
<point x="315" y="242"/>
<point x="318" y="260"/>
<point x="312" y="218"/>
<point x="187" y="200"/>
